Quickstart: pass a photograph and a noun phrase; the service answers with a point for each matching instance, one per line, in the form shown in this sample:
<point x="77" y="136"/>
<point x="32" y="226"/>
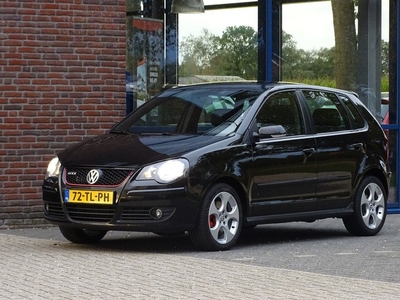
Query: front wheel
<point x="82" y="236"/>
<point x="220" y="219"/>
<point x="369" y="208"/>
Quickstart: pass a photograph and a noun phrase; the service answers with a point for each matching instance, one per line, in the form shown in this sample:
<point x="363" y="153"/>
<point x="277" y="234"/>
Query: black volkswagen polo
<point x="212" y="159"/>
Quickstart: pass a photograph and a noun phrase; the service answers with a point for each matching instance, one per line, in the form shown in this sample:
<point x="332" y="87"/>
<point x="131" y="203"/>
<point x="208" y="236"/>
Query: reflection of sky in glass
<point x="216" y="21"/>
<point x="310" y="24"/>
<point x="213" y="2"/>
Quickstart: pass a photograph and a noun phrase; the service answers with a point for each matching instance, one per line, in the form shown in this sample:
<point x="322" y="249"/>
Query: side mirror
<point x="270" y="131"/>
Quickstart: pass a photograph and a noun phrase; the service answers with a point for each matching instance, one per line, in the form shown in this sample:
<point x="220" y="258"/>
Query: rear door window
<point x="327" y="111"/>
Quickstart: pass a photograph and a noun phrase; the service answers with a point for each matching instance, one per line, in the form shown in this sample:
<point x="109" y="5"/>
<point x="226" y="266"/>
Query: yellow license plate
<point x="90" y="197"/>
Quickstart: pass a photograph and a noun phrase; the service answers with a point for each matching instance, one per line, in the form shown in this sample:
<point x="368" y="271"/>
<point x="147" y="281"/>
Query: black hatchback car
<point x="212" y="159"/>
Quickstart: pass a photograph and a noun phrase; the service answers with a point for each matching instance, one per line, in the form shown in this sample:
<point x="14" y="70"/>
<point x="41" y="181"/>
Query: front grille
<point x="91" y="212"/>
<point x="108" y="177"/>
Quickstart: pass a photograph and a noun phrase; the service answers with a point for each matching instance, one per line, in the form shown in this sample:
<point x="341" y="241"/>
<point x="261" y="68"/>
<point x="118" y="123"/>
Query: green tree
<point x="197" y="53"/>
<point x="291" y="57"/>
<point x="232" y="54"/>
<point x="237" y="55"/>
<point x="302" y="65"/>
<point x="324" y="62"/>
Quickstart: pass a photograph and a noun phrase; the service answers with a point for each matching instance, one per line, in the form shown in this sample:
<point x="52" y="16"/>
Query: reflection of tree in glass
<point x="232" y="54"/>
<point x="209" y="54"/>
<point x="345" y="44"/>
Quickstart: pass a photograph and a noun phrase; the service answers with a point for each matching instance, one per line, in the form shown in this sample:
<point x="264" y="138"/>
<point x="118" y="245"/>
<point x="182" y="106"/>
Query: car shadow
<point x="283" y="233"/>
<point x="138" y="242"/>
<point x="261" y="235"/>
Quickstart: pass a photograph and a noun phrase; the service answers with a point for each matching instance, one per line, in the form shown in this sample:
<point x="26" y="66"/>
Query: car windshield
<point x="195" y="111"/>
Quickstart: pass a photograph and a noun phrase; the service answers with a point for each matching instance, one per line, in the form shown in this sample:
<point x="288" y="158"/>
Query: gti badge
<point x="93" y="176"/>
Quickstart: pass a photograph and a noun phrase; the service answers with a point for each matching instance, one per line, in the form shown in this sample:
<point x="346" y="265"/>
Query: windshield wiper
<point x="122" y="132"/>
<point x="154" y="133"/>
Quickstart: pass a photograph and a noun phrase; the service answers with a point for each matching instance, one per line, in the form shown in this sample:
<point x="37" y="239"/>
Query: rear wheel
<point x="369" y="208"/>
<point x="82" y="236"/>
<point x="220" y="219"/>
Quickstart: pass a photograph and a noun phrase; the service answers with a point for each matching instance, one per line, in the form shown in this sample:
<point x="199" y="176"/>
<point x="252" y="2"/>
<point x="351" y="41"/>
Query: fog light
<point x="156" y="213"/>
<point x="46" y="207"/>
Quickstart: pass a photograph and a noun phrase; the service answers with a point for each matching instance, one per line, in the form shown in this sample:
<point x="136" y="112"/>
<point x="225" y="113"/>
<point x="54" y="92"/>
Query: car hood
<point x="123" y="150"/>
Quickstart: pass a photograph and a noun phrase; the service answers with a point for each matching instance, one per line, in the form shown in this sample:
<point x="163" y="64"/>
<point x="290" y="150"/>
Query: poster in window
<point x="149" y="48"/>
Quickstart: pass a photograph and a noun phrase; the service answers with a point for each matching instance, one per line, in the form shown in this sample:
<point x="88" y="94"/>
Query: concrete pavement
<point x="40" y="264"/>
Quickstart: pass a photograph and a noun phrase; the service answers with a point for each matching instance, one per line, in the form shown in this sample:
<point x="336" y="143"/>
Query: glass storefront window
<point x="347" y="45"/>
<point x="340" y="44"/>
<point x="344" y="44"/>
<point x="145" y="51"/>
<point x="219" y="44"/>
<point x="307" y="43"/>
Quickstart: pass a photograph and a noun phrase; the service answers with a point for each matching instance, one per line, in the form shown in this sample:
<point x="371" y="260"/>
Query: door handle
<point x="309" y="151"/>
<point x="358" y="147"/>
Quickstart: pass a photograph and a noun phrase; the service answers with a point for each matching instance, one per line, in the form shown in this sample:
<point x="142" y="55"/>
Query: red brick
<point x="53" y="74"/>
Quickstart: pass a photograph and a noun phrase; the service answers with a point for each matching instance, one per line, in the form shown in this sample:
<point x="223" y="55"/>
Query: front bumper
<point x="136" y="209"/>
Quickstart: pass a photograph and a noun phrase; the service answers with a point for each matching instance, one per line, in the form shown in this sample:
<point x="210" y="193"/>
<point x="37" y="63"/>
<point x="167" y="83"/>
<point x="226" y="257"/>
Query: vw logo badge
<point x="93" y="176"/>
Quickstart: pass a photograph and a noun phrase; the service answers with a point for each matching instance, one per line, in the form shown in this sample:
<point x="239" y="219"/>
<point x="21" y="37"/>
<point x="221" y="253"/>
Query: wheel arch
<point x="238" y="187"/>
<point x="378" y="174"/>
<point x="214" y="237"/>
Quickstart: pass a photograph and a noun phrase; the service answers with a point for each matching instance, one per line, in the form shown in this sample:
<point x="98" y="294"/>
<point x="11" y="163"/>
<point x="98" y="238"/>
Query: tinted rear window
<point x="327" y="111"/>
<point x="354" y="113"/>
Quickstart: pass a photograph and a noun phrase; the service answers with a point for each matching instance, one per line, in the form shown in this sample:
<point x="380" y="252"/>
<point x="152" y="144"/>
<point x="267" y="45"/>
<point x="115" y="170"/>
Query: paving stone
<point x="40" y="264"/>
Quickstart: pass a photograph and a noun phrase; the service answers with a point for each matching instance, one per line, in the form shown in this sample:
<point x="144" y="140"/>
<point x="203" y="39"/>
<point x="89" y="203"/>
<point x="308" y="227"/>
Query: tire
<point x="220" y="219"/>
<point x="82" y="236"/>
<point x="370" y="208"/>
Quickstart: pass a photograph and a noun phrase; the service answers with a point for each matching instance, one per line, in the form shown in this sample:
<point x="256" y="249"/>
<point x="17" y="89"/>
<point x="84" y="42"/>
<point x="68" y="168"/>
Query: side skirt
<point x="303" y="216"/>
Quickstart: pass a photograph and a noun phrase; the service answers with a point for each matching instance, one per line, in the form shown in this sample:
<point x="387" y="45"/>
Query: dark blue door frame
<point x="394" y="92"/>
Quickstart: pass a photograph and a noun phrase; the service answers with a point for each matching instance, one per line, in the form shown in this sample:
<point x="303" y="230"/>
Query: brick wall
<point x="62" y="79"/>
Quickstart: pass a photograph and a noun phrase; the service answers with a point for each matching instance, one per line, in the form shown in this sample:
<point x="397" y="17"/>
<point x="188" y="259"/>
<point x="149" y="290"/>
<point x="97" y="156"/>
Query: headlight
<point x="165" y="172"/>
<point x="53" y="169"/>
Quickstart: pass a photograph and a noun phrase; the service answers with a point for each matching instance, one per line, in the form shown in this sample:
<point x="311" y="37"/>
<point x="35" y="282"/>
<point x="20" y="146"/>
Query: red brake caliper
<point x="213" y="221"/>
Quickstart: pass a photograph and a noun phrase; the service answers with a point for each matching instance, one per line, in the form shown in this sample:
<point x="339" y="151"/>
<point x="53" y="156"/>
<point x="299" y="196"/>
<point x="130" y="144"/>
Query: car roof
<point x="264" y="86"/>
